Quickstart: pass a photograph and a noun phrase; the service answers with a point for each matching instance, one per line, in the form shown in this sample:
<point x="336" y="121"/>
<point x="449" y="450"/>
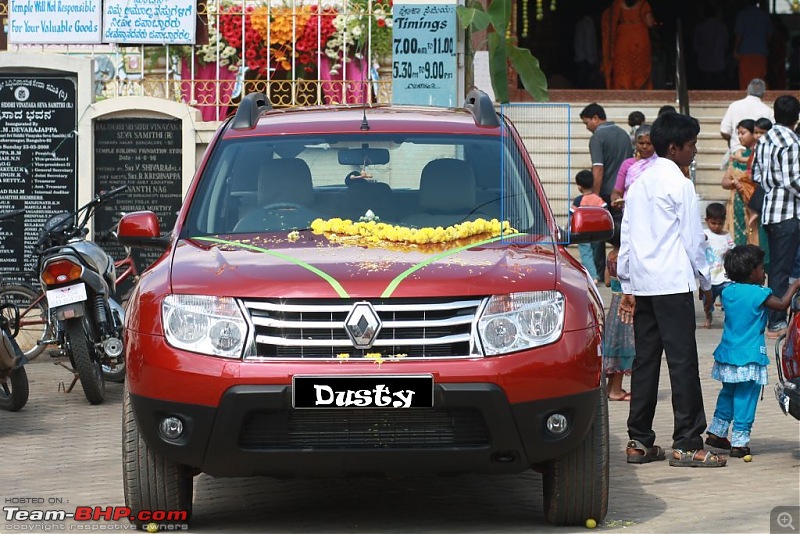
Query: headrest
<point x="285" y="180"/>
<point x="363" y="195"/>
<point x="447" y="185"/>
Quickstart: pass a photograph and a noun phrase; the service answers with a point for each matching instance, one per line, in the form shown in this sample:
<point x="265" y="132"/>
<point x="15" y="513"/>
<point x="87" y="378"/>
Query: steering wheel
<point x="350" y="180"/>
<point x="283" y="206"/>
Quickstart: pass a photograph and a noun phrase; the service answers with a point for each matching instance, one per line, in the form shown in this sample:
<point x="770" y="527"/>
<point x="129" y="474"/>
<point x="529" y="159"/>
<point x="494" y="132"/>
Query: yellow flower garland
<point x="376" y="232"/>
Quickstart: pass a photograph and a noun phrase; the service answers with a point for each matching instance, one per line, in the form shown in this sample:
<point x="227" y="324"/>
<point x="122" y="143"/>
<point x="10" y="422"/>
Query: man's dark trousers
<point x="783" y="239"/>
<point x="666" y="323"/>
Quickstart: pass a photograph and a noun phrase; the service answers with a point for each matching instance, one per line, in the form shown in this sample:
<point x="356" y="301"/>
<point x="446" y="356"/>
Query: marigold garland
<point x="376" y="232"/>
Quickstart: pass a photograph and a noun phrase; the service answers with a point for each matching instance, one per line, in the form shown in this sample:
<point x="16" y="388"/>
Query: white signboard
<point x="149" y="21"/>
<point x="424" y="68"/>
<point x="54" y="21"/>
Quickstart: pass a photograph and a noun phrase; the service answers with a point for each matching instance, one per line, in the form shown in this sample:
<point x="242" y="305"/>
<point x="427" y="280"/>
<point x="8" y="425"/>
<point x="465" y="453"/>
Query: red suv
<point x="366" y="290"/>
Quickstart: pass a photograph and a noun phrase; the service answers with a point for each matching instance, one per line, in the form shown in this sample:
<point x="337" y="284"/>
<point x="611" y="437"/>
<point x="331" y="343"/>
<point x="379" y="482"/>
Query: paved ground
<point x="67" y="453"/>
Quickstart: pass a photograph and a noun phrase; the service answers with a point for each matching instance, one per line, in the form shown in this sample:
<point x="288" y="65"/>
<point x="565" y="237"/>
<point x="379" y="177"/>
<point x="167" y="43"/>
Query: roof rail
<point x="250" y="108"/>
<point x="482" y="108"/>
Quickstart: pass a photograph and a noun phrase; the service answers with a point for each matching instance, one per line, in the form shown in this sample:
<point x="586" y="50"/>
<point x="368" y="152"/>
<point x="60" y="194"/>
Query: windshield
<point x="277" y="184"/>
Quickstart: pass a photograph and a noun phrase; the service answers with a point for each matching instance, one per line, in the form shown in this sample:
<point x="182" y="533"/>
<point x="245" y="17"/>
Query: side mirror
<point x="590" y="223"/>
<point x="141" y="229"/>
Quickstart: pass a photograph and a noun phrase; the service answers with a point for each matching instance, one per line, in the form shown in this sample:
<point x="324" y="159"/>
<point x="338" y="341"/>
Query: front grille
<point x="417" y="428"/>
<point x="302" y="329"/>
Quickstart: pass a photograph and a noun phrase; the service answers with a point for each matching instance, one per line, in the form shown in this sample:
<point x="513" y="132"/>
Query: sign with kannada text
<point x="424" y="63"/>
<point x="54" y="21"/>
<point x="146" y="155"/>
<point x="149" y="21"/>
<point x="38" y="160"/>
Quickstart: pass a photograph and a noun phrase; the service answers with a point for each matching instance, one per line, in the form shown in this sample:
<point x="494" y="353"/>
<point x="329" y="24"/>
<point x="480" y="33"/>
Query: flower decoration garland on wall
<point x="224" y="27"/>
<point x="355" y="25"/>
<point x="279" y="40"/>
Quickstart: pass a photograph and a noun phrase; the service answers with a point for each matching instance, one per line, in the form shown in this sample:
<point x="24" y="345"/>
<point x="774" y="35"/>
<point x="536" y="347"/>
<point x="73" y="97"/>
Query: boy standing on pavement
<point x="662" y="253"/>
<point x="776" y="167"/>
<point x="585" y="181"/>
<point x="609" y="146"/>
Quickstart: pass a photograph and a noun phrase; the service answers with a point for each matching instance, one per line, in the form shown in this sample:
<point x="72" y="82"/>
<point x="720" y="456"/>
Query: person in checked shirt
<point x="662" y="253"/>
<point x="776" y="167"/>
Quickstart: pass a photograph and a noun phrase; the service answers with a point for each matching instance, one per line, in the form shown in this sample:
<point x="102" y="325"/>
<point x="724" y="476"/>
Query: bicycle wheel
<point x="33" y="325"/>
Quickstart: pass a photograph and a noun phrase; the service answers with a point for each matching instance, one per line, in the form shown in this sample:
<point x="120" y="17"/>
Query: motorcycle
<point x="13" y="378"/>
<point x="79" y="279"/>
<point x="787" y="358"/>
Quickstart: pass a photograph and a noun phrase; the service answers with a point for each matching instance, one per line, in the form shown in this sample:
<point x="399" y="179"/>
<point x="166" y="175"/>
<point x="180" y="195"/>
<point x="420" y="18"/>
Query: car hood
<point x="311" y="266"/>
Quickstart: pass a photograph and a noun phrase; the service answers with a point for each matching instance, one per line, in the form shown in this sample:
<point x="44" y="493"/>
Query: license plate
<point x="365" y="391"/>
<point x="62" y="296"/>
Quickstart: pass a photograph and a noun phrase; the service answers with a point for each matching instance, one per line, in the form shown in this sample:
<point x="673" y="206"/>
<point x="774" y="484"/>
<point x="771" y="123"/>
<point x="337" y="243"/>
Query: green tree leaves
<point x="495" y="20"/>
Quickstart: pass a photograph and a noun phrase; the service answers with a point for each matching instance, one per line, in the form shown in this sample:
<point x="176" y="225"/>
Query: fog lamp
<point x="557" y="424"/>
<point x="171" y="428"/>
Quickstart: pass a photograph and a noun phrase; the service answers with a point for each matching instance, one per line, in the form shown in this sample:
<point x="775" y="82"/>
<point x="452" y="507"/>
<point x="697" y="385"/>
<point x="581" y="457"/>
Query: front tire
<point x="576" y="484"/>
<point x="84" y="357"/>
<point x="151" y="481"/>
<point x="14" y="391"/>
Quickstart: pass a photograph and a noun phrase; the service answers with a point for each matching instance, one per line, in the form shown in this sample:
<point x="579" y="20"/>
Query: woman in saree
<point x="625" y="29"/>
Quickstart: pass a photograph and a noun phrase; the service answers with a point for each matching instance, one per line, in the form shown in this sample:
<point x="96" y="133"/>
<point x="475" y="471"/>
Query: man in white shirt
<point x="749" y="107"/>
<point x="662" y="253"/>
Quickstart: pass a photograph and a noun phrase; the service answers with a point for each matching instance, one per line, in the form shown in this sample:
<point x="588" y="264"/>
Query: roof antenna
<point x="364" y="123"/>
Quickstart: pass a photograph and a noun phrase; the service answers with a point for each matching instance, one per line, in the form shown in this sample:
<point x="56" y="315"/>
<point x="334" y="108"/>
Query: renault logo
<point x="362" y="325"/>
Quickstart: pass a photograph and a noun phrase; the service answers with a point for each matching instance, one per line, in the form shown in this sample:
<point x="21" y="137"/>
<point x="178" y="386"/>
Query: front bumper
<point x="471" y="428"/>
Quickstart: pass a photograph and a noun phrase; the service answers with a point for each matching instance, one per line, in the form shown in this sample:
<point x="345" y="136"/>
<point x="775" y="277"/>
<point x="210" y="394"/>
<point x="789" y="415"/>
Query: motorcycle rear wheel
<point x="33" y="324"/>
<point x="86" y="361"/>
<point x="14" y="391"/>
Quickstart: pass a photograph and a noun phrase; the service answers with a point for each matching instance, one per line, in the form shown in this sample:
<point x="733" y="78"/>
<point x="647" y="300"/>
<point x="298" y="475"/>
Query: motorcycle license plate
<point x="62" y="296"/>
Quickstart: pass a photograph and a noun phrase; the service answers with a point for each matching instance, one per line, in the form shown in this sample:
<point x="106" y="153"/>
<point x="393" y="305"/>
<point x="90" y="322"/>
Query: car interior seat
<point x="446" y="194"/>
<point x="285" y="181"/>
<point x="363" y="195"/>
<point x="285" y="197"/>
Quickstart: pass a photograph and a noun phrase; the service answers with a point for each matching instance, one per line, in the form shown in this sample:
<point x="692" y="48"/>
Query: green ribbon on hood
<point x="335" y="283"/>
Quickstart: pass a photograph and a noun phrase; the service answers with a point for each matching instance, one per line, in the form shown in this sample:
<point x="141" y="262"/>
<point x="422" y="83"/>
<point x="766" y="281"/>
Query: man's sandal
<point x="684" y="458"/>
<point x="638" y="453"/>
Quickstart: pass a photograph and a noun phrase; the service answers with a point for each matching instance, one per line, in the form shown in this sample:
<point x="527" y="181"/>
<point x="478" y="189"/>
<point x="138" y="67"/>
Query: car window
<point x="269" y="184"/>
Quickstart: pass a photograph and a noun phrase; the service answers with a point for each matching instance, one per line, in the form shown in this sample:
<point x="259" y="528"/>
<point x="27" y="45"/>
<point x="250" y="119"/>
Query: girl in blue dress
<point x="740" y="360"/>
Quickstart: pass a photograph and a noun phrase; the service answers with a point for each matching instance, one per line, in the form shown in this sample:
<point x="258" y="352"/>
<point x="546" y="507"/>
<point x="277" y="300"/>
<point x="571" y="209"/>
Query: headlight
<point x="521" y="321"/>
<point x="208" y="325"/>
